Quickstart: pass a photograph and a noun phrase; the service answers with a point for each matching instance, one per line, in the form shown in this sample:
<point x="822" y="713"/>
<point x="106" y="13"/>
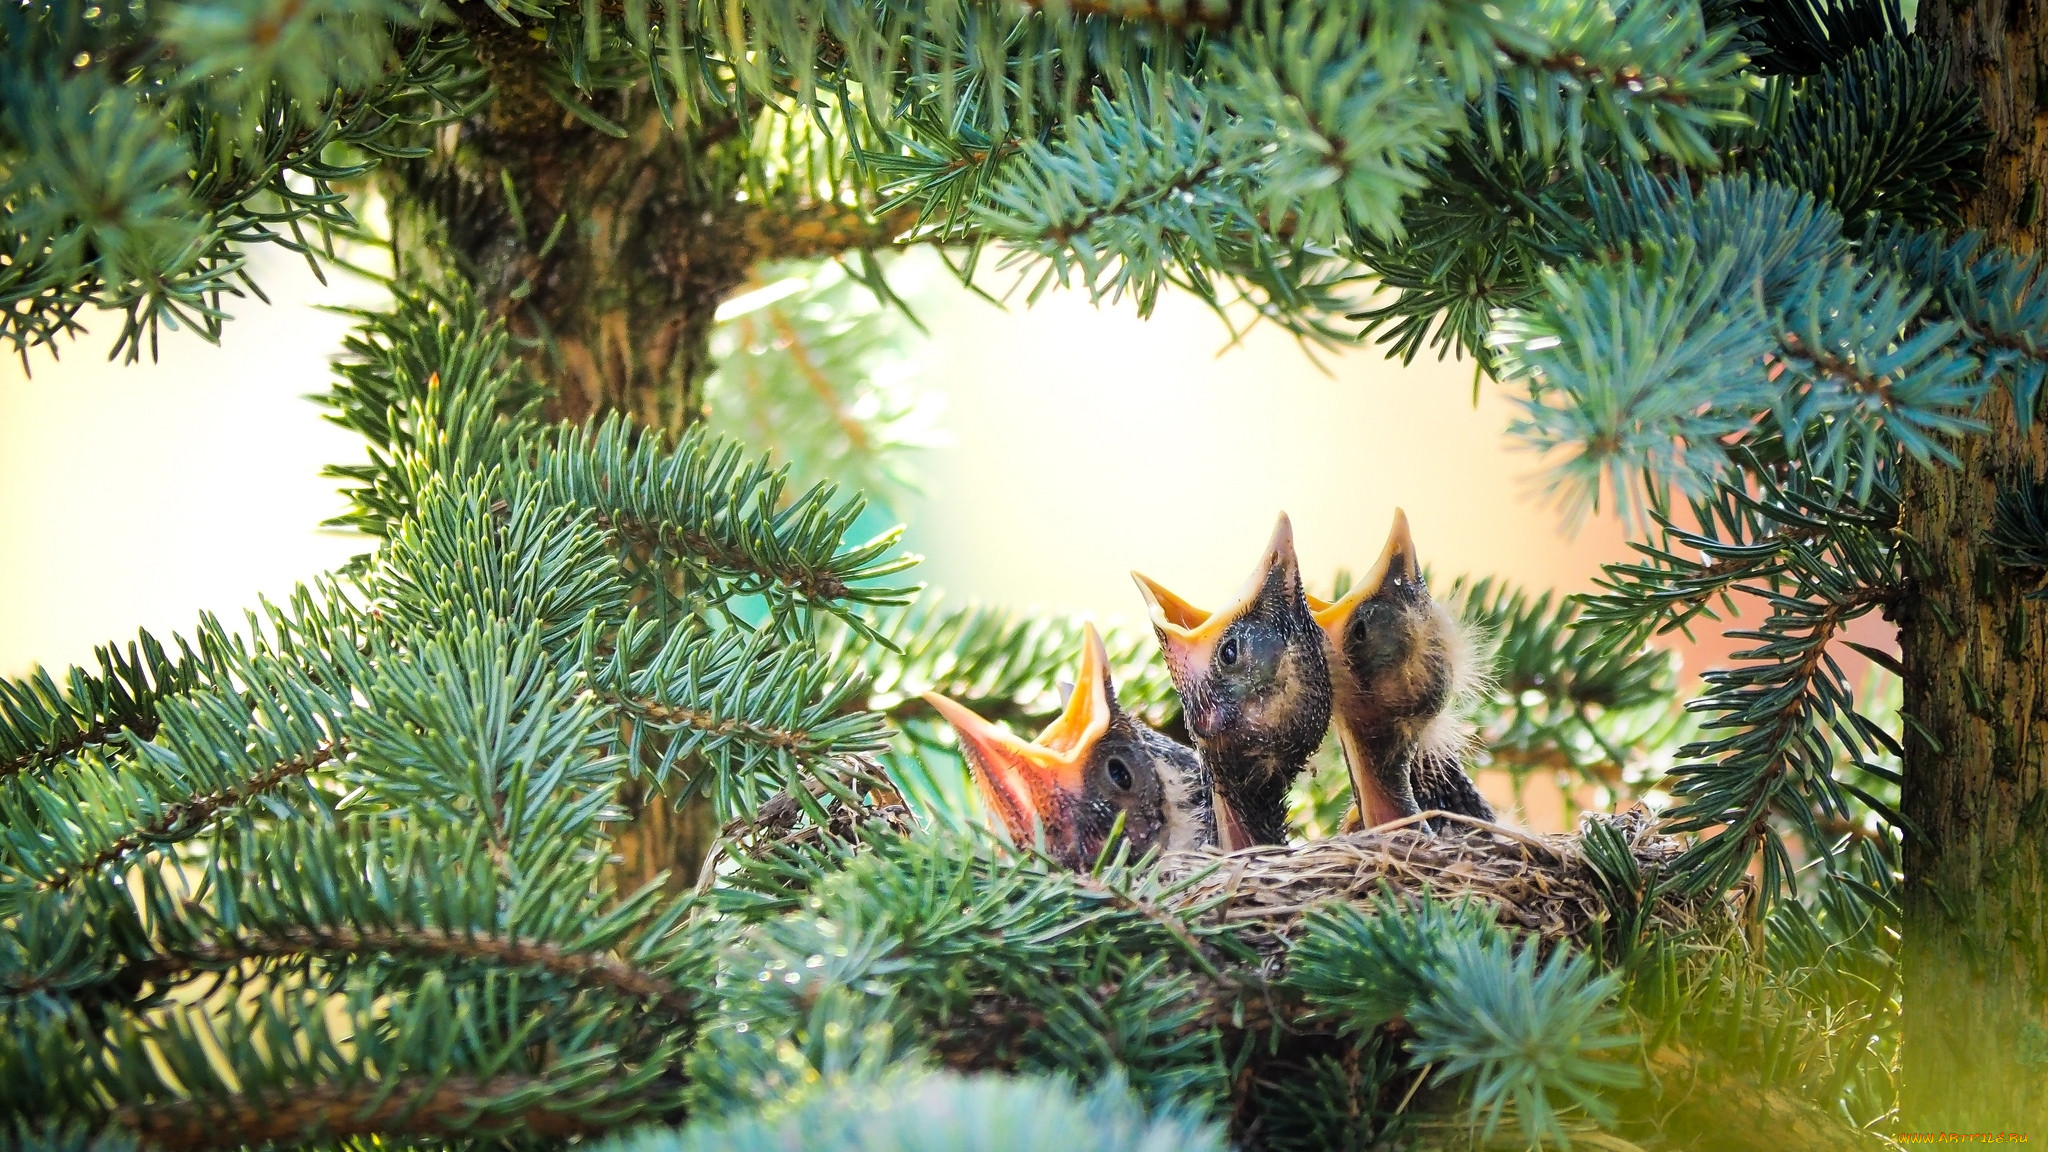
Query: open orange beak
<point x="1189" y="635"/>
<point x="1036" y="786"/>
<point x="1397" y="564"/>
<point x="1396" y="567"/>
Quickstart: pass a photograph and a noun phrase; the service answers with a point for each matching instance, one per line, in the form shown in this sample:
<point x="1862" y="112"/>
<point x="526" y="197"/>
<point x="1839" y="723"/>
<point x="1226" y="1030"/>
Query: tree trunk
<point x="1975" y="951"/>
<point x="608" y="256"/>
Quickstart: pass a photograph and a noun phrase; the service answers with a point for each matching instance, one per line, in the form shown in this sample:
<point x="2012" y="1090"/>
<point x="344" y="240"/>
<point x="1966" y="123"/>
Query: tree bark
<point x="1975" y="950"/>
<point x="607" y="256"/>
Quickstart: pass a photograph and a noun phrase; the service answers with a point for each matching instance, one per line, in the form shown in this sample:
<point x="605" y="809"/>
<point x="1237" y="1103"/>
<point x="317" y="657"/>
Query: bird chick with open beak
<point x="1254" y="685"/>
<point x="1095" y="764"/>
<point x="1398" y="661"/>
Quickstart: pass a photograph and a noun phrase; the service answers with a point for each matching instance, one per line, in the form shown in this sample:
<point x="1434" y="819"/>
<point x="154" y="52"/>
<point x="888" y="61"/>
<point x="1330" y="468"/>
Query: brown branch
<point x="417" y="1107"/>
<point x="1839" y="367"/>
<point x="818" y="229"/>
<point x="703" y="547"/>
<point x="187" y="817"/>
<point x="84" y="738"/>
<point x="1628" y="77"/>
<point x="1188" y="182"/>
<point x="792" y="740"/>
<point x="585" y="969"/>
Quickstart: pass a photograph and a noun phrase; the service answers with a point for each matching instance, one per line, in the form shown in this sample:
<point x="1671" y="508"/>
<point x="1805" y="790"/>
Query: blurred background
<point x="1037" y="454"/>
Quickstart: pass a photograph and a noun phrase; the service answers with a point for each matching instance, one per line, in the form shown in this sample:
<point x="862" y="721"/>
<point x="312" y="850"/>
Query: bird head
<point x="1253" y="677"/>
<point x="1401" y="664"/>
<point x="1391" y="644"/>
<point x="1094" y="763"/>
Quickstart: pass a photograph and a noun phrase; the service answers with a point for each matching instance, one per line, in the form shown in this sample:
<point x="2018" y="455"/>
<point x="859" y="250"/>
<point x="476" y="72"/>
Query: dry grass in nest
<point x="1543" y="885"/>
<point x="1540" y="884"/>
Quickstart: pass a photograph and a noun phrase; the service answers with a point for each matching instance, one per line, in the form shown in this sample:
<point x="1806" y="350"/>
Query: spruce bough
<point x="418" y="856"/>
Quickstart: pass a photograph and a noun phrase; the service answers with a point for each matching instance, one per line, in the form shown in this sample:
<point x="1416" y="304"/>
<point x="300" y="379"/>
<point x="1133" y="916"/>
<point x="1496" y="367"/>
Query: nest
<point x="1540" y="884"/>
<point x="1543" y="885"/>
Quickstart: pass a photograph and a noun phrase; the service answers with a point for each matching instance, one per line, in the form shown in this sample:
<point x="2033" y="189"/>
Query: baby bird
<point x="1398" y="659"/>
<point x="1254" y="685"/>
<point x="1096" y="762"/>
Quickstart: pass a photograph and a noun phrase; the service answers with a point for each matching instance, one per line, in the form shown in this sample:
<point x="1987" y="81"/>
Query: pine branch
<point x="1997" y="297"/>
<point x="1801" y="38"/>
<point x="186" y="818"/>
<point x="484" y="549"/>
<point x="1617" y="356"/>
<point x="1479" y="1005"/>
<point x="1343" y="87"/>
<point x="432" y="386"/>
<point x="1105" y="984"/>
<point x="1469" y="244"/>
<point x="421" y="1106"/>
<point x="43" y="723"/>
<point x="759" y="712"/>
<point x="712" y="509"/>
<point x="595" y="971"/>
<point x="185" y="135"/>
<point x="373" y="898"/>
<point x="280" y="703"/>
<point x="1145" y="193"/>
<point x="1746" y="294"/>
<point x="195" y="1072"/>
<point x="2019" y="530"/>
<point x="1878" y="131"/>
<point x="1788" y="708"/>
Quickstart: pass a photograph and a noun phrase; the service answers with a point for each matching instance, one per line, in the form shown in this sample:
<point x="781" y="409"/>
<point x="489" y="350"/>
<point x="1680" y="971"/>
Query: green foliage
<point x="344" y="878"/>
<point x="1749" y="296"/>
<point x="1879" y="132"/>
<point x="431" y="387"/>
<point x="1124" y="203"/>
<point x="942" y="947"/>
<point x="42" y="720"/>
<point x="142" y="147"/>
<point x="1561" y="699"/>
<point x="1470" y="243"/>
<point x="1785" y="738"/>
<point x="234" y="51"/>
<point x="1531" y="1032"/>
<point x="910" y="1113"/>
<point x="2019" y="528"/>
<point x="1993" y="295"/>
<point x="1180" y="146"/>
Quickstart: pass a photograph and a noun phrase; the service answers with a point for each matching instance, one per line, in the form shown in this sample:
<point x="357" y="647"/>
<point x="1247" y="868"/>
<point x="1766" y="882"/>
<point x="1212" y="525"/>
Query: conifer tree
<point x="596" y="802"/>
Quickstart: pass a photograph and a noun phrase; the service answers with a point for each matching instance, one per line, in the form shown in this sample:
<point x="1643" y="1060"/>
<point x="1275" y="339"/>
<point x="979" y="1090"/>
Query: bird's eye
<point x="1119" y="773"/>
<point x="1228" y="653"/>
